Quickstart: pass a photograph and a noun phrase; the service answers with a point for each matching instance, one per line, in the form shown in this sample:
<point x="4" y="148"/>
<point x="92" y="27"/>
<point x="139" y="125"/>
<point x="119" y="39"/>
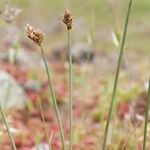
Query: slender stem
<point x="70" y="91"/>
<point x="50" y="138"/>
<point x="146" y="117"/>
<point x="117" y="75"/>
<point x="7" y="127"/>
<point x="43" y="118"/>
<point x="54" y="100"/>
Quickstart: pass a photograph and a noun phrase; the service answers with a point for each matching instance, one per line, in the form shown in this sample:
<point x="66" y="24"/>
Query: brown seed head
<point x="34" y="34"/>
<point x="67" y="19"/>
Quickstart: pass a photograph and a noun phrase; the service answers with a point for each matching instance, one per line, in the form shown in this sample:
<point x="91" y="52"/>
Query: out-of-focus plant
<point x="146" y="117"/>
<point x="116" y="37"/>
<point x="78" y="132"/>
<point x="9" y="13"/>
<point x="44" y="122"/>
<point x="37" y="140"/>
<point x="14" y="52"/>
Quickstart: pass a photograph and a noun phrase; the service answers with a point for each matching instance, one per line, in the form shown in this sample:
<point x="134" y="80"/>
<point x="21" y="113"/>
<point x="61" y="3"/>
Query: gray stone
<point x="58" y="53"/>
<point x="81" y="52"/>
<point x="43" y="147"/>
<point x="33" y="85"/>
<point x="11" y="93"/>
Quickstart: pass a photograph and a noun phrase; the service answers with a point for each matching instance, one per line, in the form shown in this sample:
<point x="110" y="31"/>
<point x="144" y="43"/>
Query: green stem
<point x="45" y="127"/>
<point x="146" y="117"/>
<point x="7" y="127"/>
<point x="117" y="75"/>
<point x="54" y="100"/>
<point x="70" y="91"/>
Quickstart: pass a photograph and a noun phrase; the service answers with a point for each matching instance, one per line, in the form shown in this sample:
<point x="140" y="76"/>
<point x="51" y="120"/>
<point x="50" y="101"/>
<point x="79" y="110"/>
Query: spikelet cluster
<point x="34" y="34"/>
<point x="67" y="19"/>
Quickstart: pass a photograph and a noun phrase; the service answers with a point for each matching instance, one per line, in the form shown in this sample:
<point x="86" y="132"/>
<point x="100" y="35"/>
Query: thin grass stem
<point x="50" y="138"/>
<point x="7" y="128"/>
<point x="117" y="75"/>
<point x="54" y="100"/>
<point x="146" y="117"/>
<point x="70" y="92"/>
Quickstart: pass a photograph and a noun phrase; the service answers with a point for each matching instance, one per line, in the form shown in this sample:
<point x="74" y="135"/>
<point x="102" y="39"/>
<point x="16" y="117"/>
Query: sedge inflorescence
<point x="67" y="19"/>
<point x="34" y="34"/>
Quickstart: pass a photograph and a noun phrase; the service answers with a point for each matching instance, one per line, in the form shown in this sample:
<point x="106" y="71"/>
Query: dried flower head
<point x="10" y="13"/>
<point x="67" y="19"/>
<point x="34" y="34"/>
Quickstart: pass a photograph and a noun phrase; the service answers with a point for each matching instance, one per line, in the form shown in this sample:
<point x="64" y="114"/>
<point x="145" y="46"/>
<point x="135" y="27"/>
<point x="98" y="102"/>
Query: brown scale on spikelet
<point x="34" y="34"/>
<point x="67" y="19"/>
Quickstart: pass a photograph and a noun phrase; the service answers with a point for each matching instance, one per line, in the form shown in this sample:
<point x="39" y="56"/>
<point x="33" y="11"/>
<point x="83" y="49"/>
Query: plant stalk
<point x="70" y="92"/>
<point x="117" y="75"/>
<point x="7" y="127"/>
<point x="54" y="100"/>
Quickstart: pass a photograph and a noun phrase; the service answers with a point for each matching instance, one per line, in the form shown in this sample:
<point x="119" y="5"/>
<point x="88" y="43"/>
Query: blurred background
<point x="95" y="39"/>
<point x="96" y="18"/>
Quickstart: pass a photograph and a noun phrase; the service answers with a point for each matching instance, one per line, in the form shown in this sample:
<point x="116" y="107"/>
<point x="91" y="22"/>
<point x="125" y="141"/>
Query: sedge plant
<point x="146" y="117"/>
<point x="5" y="121"/>
<point x="117" y="76"/>
<point x="67" y="19"/>
<point x="37" y="36"/>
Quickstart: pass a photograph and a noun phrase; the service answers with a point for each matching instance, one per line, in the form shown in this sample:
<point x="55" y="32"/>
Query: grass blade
<point x="117" y="75"/>
<point x="146" y="118"/>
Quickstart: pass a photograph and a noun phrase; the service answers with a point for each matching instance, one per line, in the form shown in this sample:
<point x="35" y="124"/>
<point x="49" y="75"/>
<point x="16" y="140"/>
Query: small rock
<point x="43" y="147"/>
<point x="81" y="53"/>
<point x="58" y="53"/>
<point x="33" y="85"/>
<point x="11" y="95"/>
